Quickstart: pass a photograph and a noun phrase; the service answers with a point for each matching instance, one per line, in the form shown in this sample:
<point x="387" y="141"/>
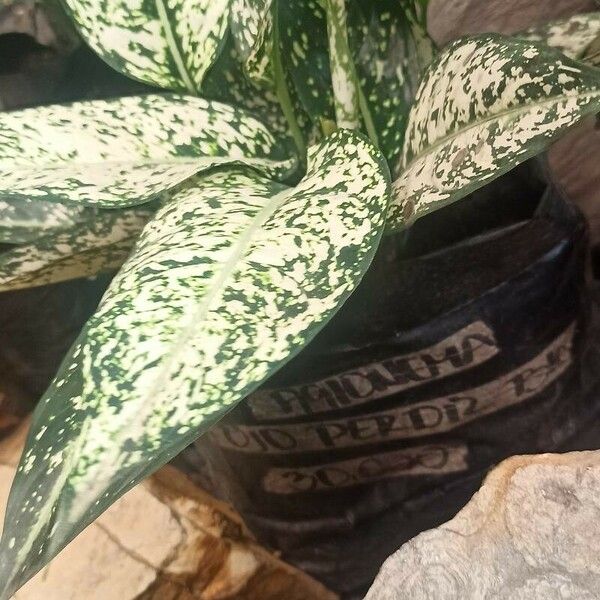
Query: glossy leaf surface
<point x="25" y="219"/>
<point x="305" y="53"/>
<point x="391" y="50"/>
<point x="485" y="105"/>
<point x="99" y="243"/>
<point x="167" y="43"/>
<point x="115" y="153"/>
<point x="232" y="277"/>
<point x="252" y="29"/>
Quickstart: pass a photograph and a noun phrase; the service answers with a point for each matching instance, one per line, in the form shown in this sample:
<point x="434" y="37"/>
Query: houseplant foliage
<point x="249" y="199"/>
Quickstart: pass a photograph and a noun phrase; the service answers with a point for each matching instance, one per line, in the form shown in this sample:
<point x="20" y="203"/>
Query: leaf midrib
<point x="188" y="330"/>
<point x="174" y="48"/>
<point x="228" y="268"/>
<point x="444" y="140"/>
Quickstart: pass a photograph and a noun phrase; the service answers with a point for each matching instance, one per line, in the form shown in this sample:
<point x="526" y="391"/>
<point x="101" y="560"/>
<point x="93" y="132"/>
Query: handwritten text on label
<point x="414" y="420"/>
<point x="420" y="460"/>
<point x="466" y="348"/>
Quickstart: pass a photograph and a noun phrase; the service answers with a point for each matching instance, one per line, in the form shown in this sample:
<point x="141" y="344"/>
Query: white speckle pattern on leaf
<point x="486" y="104"/>
<point x="251" y="23"/>
<point x="571" y="36"/>
<point x="124" y="152"/>
<point x="98" y="243"/>
<point x="232" y="277"/>
<point x="391" y="50"/>
<point x="25" y="219"/>
<point x="305" y="53"/>
<point x="168" y="43"/>
<point x="343" y="74"/>
<point x="227" y="82"/>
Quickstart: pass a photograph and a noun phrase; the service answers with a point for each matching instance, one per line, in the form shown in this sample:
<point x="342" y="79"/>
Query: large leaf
<point x="486" y="104"/>
<point x="571" y="36"/>
<point x="251" y="24"/>
<point x="25" y="219"/>
<point x="391" y="49"/>
<point x="233" y="276"/>
<point x="99" y="243"/>
<point x="168" y="43"/>
<point x="127" y="151"/>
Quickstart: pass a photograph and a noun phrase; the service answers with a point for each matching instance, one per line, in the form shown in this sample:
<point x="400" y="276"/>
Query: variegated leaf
<point x="391" y="50"/>
<point x="571" y="36"/>
<point x="127" y="151"/>
<point x="226" y="82"/>
<point x="233" y="276"/>
<point x="251" y="23"/>
<point x="24" y="219"/>
<point x="343" y="72"/>
<point x="168" y="43"/>
<point x="486" y="104"/>
<point x="100" y="243"/>
<point x="300" y="126"/>
<point x="305" y="52"/>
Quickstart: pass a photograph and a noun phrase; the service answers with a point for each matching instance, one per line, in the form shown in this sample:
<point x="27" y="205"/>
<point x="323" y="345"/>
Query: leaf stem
<point x="343" y="72"/>
<point x="349" y="98"/>
<point x="367" y="117"/>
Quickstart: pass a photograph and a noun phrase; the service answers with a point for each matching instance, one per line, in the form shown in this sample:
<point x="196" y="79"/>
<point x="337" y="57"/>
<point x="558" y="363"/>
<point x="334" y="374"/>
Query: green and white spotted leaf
<point x="24" y="219"/>
<point x="391" y="49"/>
<point x="116" y="153"/>
<point x="305" y="51"/>
<point x="233" y="276"/>
<point x="227" y="82"/>
<point x="100" y="243"/>
<point x="343" y="73"/>
<point x="277" y="106"/>
<point x="571" y="36"/>
<point x="485" y="105"/>
<point x="251" y="23"/>
<point x="167" y="43"/>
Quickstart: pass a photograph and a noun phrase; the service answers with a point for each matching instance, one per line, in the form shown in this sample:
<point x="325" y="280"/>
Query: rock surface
<point x="530" y="533"/>
<point x="164" y="540"/>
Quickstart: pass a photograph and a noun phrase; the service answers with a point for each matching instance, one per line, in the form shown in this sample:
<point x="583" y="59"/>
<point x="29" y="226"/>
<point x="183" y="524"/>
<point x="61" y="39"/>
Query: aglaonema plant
<point x="243" y="206"/>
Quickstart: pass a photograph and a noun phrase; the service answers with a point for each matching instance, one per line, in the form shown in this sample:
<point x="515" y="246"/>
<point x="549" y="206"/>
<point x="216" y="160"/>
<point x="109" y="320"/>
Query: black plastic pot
<point x="470" y="340"/>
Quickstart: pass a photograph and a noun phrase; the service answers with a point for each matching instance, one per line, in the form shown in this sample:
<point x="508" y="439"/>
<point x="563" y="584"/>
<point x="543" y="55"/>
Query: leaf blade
<point x="391" y="50"/>
<point x="306" y="58"/>
<point x="25" y="220"/>
<point x="481" y="110"/>
<point x="111" y="154"/>
<point x="201" y="320"/>
<point x="171" y="44"/>
<point x="98" y="243"/>
<point x="572" y="36"/>
<point x="251" y="25"/>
